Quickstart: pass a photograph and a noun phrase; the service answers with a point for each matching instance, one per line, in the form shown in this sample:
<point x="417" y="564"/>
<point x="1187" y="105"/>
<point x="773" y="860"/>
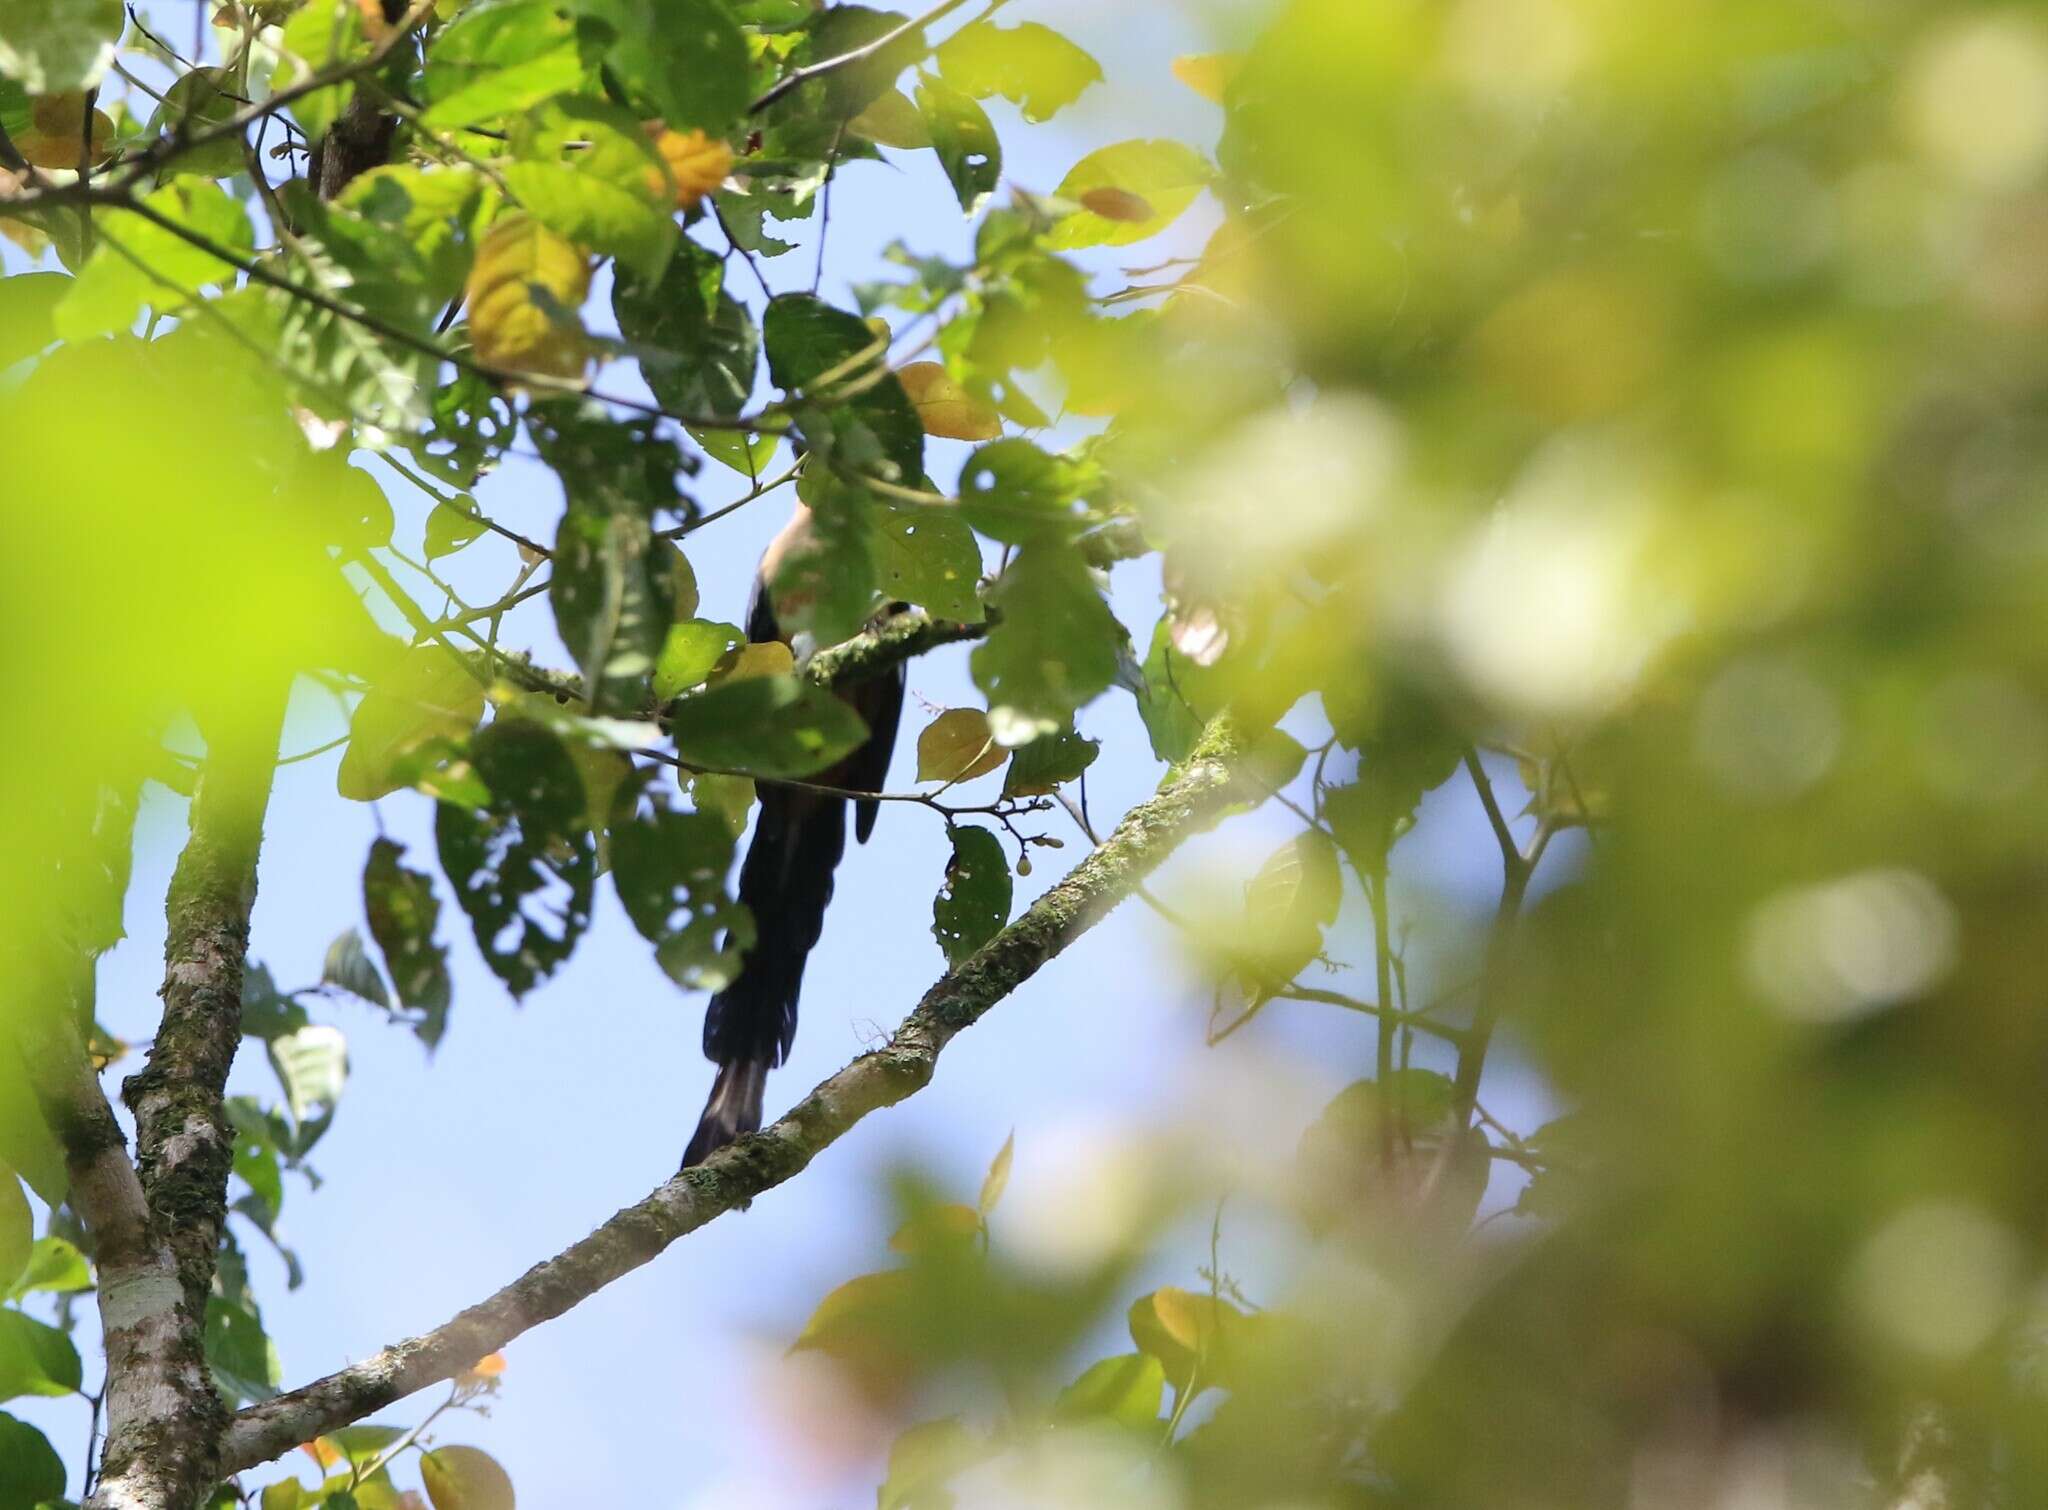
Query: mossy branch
<point x="1195" y="796"/>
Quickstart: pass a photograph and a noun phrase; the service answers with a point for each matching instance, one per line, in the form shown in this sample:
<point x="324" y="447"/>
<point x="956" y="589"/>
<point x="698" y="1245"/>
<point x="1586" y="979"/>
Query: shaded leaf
<point x="312" y="1066"/>
<point x="765" y="726"/>
<point x="54" y="1266"/>
<point x="957" y="746"/>
<point x="17" y="1230"/>
<point x="965" y="141"/>
<point x="1049" y="762"/>
<point x="973" y="902"/>
<point x="31" y="1473"/>
<point x="927" y="555"/>
<point x="452" y="525"/>
<point x="1012" y="491"/>
<point x="684" y="59"/>
<point x="404" y="916"/>
<point x="1053" y="648"/>
<point x="35" y="1359"/>
<point x="348" y="966"/>
<point x="426" y="694"/>
<point x="670" y="870"/>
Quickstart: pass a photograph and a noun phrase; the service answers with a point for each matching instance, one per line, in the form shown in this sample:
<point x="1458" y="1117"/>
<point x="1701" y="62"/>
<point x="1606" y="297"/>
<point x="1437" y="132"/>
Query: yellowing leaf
<point x="56" y="135"/>
<point x="465" y="1478"/>
<point x="486" y="1370"/>
<point x="1208" y="73"/>
<point x="1184" y="1331"/>
<point x="957" y="746"/>
<point x="747" y="661"/>
<point x="944" y="408"/>
<point x="698" y="163"/>
<point x="322" y="1452"/>
<point x="998" y="1177"/>
<point x="1163" y="177"/>
<point x="1117" y="204"/>
<point x="521" y="263"/>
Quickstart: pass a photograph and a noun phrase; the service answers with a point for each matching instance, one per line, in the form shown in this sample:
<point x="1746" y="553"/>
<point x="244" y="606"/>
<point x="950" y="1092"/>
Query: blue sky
<point x="444" y="1179"/>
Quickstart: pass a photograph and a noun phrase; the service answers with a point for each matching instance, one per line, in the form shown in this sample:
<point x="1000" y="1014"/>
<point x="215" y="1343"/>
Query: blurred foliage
<point x="1607" y="435"/>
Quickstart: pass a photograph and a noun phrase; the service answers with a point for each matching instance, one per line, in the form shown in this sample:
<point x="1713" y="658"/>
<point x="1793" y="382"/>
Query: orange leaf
<point x="697" y="162"/>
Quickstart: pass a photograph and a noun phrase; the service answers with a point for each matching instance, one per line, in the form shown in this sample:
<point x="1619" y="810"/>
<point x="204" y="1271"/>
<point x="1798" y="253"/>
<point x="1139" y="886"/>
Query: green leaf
<point x="257" y="1162"/>
<point x="1054" y="646"/>
<point x="465" y="1478"/>
<point x="670" y="869"/>
<point x="1012" y="491"/>
<point x="689" y="654"/>
<point x="824" y="586"/>
<point x="141" y="263"/>
<point x="1127" y="1390"/>
<point x="926" y="554"/>
<point x="266" y="1011"/>
<point x="452" y="525"/>
<point x="1032" y="66"/>
<point x="873" y="433"/>
<point x="240" y="1354"/>
<point x="973" y="903"/>
<point x="776" y="726"/>
<point x="348" y="966"/>
<point x="586" y="170"/>
<point x="696" y="344"/>
<point x="1147" y="184"/>
<point x="312" y="1067"/>
<point x="17" y="1230"/>
<point x="404" y="916"/>
<point x="525" y="867"/>
<point x="54" y="1266"/>
<point x="1048" y="762"/>
<point x="613" y="588"/>
<point x="965" y="141"/>
<point x="28" y="302"/>
<point x="35" y="1359"/>
<point x="26" y="1143"/>
<point x="426" y="694"/>
<point x="31" y="1473"/>
<point x="685" y="59"/>
<point x="923" y="1460"/>
<point x="321" y="35"/>
<point x="198" y="101"/>
<point x="841" y="29"/>
<point x="1179" y="697"/>
<point x="56" y="46"/>
<point x="1288" y="903"/>
<point x="495" y="60"/>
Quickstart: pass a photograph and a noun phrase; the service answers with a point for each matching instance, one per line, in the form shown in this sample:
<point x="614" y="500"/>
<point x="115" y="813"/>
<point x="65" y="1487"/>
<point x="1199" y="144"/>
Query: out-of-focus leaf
<point x="816" y="350"/>
<point x="1187" y="1333"/>
<point x="28" y="302"/>
<point x="585" y="170"/>
<point x="312" y="1066"/>
<point x="425" y="694"/>
<point x="765" y="726"/>
<point x="1288" y="903"/>
<point x="974" y="900"/>
<point x="55" y="1266"/>
<point x="404" y="916"/>
<point x="1053" y="649"/>
<point x="1032" y="66"/>
<point x="945" y="408"/>
<point x="927" y="555"/>
<point x="923" y="1460"/>
<point x="197" y="101"/>
<point x="142" y="263"/>
<point x="465" y="1478"/>
<point x="266" y="1011"/>
<point x="348" y="966"/>
<point x="35" y="1359"/>
<point x="31" y="1473"/>
<point x="523" y="293"/>
<point x="320" y="36"/>
<point x="689" y="654"/>
<point x="1126" y="1391"/>
<point x="52" y="46"/>
<point x="997" y="1180"/>
<point x="17" y="1230"/>
<point x="892" y="121"/>
<point x="1208" y="73"/>
<point x="1012" y="491"/>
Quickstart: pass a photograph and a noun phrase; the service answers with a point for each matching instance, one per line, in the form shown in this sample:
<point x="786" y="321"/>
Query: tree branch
<point x="801" y="76"/>
<point x="163" y="1418"/>
<point x="1197" y="794"/>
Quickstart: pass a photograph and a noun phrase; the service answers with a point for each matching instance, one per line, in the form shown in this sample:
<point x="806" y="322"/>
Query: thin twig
<point x="797" y="78"/>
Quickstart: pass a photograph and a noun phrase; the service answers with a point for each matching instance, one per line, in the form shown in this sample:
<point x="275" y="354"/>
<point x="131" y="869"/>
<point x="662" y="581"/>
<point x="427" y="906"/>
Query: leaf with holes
<point x="965" y="141"/>
<point x="775" y="726"/>
<point x="404" y="915"/>
<point x="670" y="869"/>
<point x="1032" y="66"/>
<point x="974" y="901"/>
<point x="926" y="554"/>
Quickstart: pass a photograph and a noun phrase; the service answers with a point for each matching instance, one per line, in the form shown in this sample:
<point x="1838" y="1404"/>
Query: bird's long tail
<point x="786" y="884"/>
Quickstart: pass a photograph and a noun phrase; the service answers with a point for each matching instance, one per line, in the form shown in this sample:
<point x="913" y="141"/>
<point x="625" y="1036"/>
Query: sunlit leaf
<point x="965" y="141"/>
<point x="586" y="171"/>
<point x="35" y="1359"/>
<point x="17" y="1230"/>
<point x="141" y="263"/>
<point x="426" y="694"/>
<point x="1126" y="1391"/>
<point x="1208" y="73"/>
<point x="465" y="1478"/>
<point x="923" y="1459"/>
<point x="997" y="1180"/>
<point x="523" y="293"/>
<point x="55" y="1267"/>
<point x="685" y="60"/>
<point x="1048" y="763"/>
<point x="348" y="966"/>
<point x="957" y="746"/>
<point x="51" y="46"/>
<point x="1162" y="176"/>
<point x="1030" y="65"/>
<point x="1054" y="648"/>
<point x="927" y="555"/>
<point x="945" y="408"/>
<point x="690" y="652"/>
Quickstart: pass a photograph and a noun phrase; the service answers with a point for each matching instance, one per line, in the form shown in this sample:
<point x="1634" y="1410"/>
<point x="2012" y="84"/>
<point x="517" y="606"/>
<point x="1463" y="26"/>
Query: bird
<point x="786" y="878"/>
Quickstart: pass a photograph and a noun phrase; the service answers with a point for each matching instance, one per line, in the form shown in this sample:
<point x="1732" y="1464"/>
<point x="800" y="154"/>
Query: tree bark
<point x="164" y="1417"/>
<point x="1194" y="797"/>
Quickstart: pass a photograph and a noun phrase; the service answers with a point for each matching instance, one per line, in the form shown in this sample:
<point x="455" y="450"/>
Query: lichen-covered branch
<point x="163" y="1416"/>
<point x="1196" y="795"/>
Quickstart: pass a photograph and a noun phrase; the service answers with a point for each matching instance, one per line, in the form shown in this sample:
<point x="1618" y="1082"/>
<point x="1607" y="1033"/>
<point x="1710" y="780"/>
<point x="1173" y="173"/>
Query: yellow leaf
<point x="56" y="136"/>
<point x="697" y="162"/>
<point x="957" y="746"/>
<point x="934" y="1228"/>
<point x="322" y="1452"/>
<point x="998" y="1177"/>
<point x="1184" y="1331"/>
<point x="944" y="408"/>
<point x="509" y="326"/>
<point x="1208" y="73"/>
<point x="465" y="1478"/>
<point x="737" y="665"/>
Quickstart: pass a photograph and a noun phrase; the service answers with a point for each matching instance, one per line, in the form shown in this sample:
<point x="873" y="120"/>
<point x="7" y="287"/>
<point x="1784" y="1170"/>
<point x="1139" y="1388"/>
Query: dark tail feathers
<point x="786" y="884"/>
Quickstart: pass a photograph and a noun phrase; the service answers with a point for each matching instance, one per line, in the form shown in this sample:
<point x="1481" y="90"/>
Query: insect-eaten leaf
<point x="524" y="865"/>
<point x="973" y="902"/>
<point x="1049" y="762"/>
<point x="428" y="694"/>
<point x="404" y="916"/>
<point x="670" y="869"/>
<point x="1128" y="192"/>
<point x="1054" y="647"/>
<point x="1031" y="65"/>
